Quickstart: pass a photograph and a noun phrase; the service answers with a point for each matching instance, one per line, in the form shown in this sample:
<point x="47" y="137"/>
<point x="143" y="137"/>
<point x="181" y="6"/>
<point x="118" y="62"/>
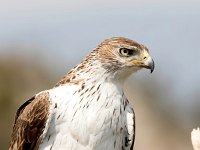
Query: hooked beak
<point x="149" y="64"/>
<point x="146" y="62"/>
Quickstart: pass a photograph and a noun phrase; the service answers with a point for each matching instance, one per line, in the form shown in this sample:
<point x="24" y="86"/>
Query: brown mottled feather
<point x="104" y="53"/>
<point x="29" y="123"/>
<point x="106" y="47"/>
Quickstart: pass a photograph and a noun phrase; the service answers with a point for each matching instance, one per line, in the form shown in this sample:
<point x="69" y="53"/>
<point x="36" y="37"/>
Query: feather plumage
<point x="87" y="109"/>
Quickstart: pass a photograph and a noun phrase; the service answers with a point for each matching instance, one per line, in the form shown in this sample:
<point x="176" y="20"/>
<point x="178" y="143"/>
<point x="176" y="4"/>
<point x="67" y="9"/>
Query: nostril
<point x="145" y="57"/>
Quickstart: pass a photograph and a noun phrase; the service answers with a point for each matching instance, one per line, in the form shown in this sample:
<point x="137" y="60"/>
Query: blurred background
<point x="41" y="40"/>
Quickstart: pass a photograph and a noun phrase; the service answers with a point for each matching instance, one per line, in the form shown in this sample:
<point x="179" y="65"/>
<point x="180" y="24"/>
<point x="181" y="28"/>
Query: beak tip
<point x="152" y="66"/>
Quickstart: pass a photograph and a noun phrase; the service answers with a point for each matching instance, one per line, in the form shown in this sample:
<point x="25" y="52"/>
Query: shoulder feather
<point x="29" y="122"/>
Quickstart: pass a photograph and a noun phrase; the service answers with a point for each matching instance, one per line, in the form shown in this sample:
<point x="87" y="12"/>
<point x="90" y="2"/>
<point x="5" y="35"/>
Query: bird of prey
<point x="87" y="109"/>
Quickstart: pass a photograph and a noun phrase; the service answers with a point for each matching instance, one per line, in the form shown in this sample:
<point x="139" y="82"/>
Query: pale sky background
<point x="60" y="32"/>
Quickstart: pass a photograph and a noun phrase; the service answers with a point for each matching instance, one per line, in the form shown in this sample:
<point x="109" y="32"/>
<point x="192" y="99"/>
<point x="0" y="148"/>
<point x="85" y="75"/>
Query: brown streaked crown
<point x="105" y="55"/>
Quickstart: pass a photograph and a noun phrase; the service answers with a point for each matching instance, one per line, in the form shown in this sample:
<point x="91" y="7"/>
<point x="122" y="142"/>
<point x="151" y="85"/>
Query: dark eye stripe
<point x="128" y="52"/>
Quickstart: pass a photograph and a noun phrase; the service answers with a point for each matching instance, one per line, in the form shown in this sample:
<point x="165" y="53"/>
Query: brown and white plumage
<point x="87" y="109"/>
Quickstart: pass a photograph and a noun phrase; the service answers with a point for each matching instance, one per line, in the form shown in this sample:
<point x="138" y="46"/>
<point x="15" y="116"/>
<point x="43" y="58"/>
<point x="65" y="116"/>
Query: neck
<point x="89" y="73"/>
<point x="91" y="70"/>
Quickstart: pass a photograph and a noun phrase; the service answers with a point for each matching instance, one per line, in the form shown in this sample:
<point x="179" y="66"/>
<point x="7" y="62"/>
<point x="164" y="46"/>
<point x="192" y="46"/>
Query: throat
<point x="93" y="74"/>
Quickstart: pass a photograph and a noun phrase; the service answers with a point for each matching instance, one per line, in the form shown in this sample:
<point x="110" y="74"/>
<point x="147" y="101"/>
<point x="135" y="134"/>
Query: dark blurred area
<point x="19" y="79"/>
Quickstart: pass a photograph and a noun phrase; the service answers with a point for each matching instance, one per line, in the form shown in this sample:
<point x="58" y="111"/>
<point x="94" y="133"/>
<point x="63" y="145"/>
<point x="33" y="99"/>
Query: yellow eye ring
<point x="127" y="52"/>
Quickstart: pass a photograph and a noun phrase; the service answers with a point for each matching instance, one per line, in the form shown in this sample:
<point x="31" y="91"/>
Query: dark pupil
<point x="128" y="52"/>
<point x="125" y="51"/>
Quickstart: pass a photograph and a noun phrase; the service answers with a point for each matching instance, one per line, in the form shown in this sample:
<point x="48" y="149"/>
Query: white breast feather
<point x="73" y="126"/>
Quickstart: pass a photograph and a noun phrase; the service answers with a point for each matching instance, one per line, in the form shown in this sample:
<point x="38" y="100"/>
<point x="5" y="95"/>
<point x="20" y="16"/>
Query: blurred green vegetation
<point x="19" y="80"/>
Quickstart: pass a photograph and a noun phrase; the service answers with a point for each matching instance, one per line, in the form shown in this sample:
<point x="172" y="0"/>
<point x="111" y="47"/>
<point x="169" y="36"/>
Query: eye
<point x="127" y="52"/>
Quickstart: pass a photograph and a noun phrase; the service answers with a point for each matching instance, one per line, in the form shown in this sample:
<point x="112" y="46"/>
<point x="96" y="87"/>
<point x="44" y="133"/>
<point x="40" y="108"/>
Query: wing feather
<point x="129" y="142"/>
<point x="29" y="122"/>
